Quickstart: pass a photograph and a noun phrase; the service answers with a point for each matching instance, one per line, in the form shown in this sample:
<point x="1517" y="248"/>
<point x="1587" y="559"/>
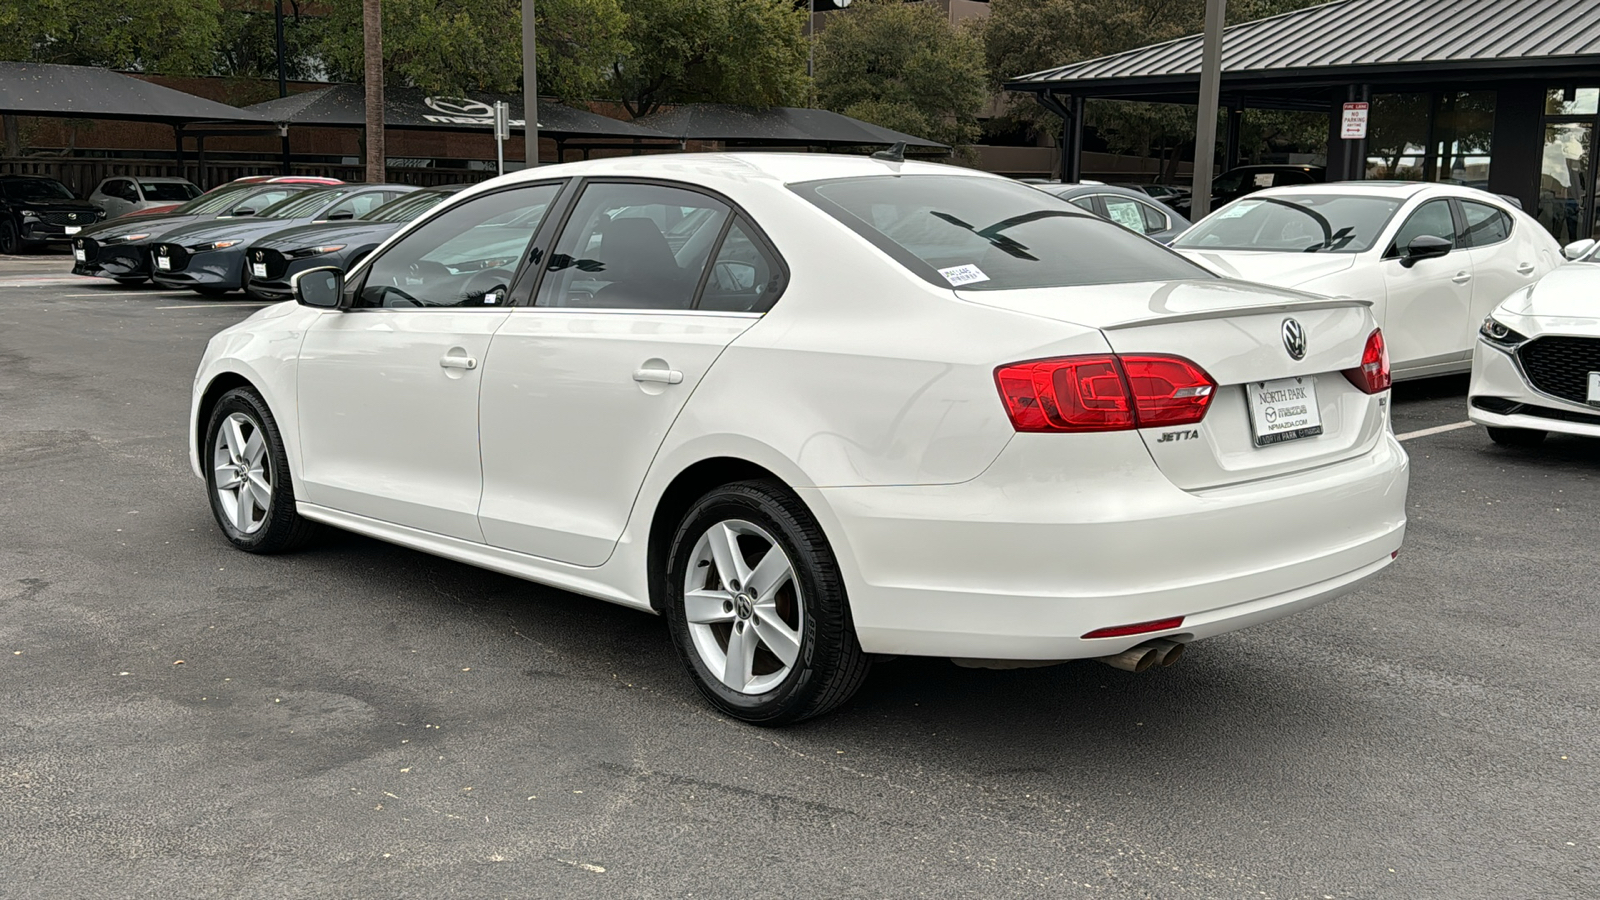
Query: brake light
<point x="1104" y="392"/>
<point x="1372" y="376"/>
<point x="1140" y="628"/>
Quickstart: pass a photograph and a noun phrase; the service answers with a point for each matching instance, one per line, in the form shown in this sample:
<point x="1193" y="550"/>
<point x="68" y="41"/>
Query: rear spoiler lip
<point x="1288" y="306"/>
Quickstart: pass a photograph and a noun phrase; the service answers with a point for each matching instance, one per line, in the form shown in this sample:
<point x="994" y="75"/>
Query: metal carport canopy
<point x="47" y="89"/>
<point x="1352" y="41"/>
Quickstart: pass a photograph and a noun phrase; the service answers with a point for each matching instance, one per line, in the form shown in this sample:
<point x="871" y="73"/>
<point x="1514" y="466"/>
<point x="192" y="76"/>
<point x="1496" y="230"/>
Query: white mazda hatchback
<point x="1432" y="259"/>
<point x="814" y="409"/>
<point x="1537" y="365"/>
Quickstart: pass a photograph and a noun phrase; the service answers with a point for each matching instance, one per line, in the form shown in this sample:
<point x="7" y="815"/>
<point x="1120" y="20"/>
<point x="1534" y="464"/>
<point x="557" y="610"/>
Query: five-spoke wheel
<point x="247" y="472"/>
<point x="757" y="607"/>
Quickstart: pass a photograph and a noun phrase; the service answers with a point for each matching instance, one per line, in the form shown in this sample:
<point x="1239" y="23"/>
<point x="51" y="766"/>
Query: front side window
<point x="258" y="202"/>
<point x="633" y="246"/>
<point x="1432" y="219"/>
<point x="302" y="206"/>
<point x="358" y="206"/>
<point x="462" y="257"/>
<point x="1485" y="224"/>
<point x="1294" y="223"/>
<point x="122" y="190"/>
<point x="985" y="234"/>
<point x="406" y="207"/>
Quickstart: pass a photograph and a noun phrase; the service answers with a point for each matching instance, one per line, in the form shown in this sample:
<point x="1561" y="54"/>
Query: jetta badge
<point x="1294" y="339"/>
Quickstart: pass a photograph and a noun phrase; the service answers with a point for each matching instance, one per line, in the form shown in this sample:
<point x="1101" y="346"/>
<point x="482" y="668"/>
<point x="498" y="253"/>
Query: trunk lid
<point x="1234" y="331"/>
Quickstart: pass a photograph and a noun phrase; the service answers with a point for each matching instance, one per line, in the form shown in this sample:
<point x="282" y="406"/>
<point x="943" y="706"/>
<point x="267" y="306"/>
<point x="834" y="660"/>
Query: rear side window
<point x="1485" y="224"/>
<point x="745" y="277"/>
<point x="169" y="191"/>
<point x="984" y="234"/>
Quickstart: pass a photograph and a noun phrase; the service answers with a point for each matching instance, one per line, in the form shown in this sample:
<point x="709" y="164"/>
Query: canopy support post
<point x="200" y="161"/>
<point x="1230" y="141"/>
<point x="177" y="144"/>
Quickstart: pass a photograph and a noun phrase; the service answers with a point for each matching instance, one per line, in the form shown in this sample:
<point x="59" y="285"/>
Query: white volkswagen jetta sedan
<point x="813" y="409"/>
<point x="1536" y="368"/>
<point x="1433" y="259"/>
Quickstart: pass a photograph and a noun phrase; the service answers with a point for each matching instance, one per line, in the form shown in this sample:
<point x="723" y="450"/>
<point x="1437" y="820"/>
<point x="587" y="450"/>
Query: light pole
<point x="1205" y="126"/>
<point x="530" y="89"/>
<point x="811" y="29"/>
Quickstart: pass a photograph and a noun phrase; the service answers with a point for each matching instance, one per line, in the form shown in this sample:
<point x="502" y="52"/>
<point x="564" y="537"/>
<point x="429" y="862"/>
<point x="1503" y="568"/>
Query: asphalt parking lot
<point x="179" y="719"/>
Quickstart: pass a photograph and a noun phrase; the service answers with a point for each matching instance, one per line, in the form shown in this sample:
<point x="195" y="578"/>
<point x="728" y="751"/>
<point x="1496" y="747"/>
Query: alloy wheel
<point x="243" y="470"/>
<point x="744" y="607"/>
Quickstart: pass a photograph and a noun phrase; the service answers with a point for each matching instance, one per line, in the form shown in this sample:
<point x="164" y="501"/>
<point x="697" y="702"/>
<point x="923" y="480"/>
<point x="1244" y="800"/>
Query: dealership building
<point x="1498" y="94"/>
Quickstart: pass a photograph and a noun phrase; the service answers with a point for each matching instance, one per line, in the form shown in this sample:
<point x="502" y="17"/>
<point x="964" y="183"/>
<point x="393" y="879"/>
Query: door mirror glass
<point x="320" y="288"/>
<point x="243" y="211"/>
<point x="1425" y="246"/>
<point x="340" y="214"/>
<point x="1578" y="249"/>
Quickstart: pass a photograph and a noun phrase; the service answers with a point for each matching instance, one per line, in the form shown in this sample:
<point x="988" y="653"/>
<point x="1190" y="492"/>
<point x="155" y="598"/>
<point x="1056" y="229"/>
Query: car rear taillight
<point x="1104" y="392"/>
<point x="1372" y="376"/>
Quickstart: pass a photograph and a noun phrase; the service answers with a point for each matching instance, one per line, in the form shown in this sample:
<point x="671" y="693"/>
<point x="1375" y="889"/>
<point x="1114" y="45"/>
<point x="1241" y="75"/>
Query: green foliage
<point x="176" y="37"/>
<point x="902" y="66"/>
<point x="748" y="52"/>
<point x="477" y="44"/>
<point x="247" y="45"/>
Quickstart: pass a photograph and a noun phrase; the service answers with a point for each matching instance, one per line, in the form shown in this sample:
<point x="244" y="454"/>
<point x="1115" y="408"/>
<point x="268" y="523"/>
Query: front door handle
<point x="457" y="362"/>
<point x="658" y="376"/>
<point x="1462" y="277"/>
<point x="1525" y="269"/>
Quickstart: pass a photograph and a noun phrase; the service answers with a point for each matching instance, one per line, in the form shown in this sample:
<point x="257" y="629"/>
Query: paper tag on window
<point x="1238" y="209"/>
<point x="967" y="274"/>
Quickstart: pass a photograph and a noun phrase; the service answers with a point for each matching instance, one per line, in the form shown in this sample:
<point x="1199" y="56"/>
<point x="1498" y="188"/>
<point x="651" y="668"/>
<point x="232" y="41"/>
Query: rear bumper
<point x="1015" y="565"/>
<point x="1498" y="381"/>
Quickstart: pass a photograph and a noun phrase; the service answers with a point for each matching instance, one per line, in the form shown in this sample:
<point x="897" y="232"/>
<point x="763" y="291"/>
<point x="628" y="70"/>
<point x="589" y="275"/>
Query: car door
<point x="582" y="385"/>
<point x="118" y="197"/>
<point x="388" y="396"/>
<point x="1429" y="300"/>
<point x="1501" y="262"/>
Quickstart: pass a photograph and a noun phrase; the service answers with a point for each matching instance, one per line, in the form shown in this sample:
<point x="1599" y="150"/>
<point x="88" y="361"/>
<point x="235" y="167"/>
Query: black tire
<point x="212" y="291"/>
<point x="1519" y="438"/>
<point x="10" y="242"/>
<point x="830" y="665"/>
<point x="281" y="528"/>
<point x="131" y="282"/>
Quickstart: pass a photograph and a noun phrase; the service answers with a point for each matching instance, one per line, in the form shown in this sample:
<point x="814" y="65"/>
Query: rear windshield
<point x="1293" y="223"/>
<point x="408" y="207"/>
<point x="302" y="205"/>
<point x="986" y="234"/>
<point x="168" y="191"/>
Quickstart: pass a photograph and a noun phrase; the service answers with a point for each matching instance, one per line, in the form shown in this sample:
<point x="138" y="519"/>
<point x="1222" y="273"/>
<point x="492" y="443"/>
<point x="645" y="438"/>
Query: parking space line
<point x="1438" y="429"/>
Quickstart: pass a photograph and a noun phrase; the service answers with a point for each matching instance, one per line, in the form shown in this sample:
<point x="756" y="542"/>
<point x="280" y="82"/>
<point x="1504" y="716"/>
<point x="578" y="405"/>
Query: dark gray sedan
<point x="209" y="256"/>
<point x="1133" y="210"/>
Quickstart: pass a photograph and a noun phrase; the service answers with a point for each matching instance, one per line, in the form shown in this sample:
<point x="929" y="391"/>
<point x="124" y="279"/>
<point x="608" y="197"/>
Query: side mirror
<point x="243" y="212"/>
<point x="1425" y="246"/>
<point x="1577" y="249"/>
<point x="320" y="288"/>
<point x="341" y="214"/>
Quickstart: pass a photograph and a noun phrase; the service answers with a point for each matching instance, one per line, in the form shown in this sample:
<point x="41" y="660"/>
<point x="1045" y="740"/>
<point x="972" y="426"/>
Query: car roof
<point x="780" y="168"/>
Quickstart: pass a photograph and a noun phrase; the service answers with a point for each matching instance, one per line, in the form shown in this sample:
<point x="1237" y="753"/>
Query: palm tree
<point x="372" y="32"/>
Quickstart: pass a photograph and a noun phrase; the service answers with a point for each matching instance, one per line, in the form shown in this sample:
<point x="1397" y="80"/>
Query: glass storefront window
<point x="1463" y="136"/>
<point x="1564" y="178"/>
<point x="1397" y="136"/>
<point x="1585" y="102"/>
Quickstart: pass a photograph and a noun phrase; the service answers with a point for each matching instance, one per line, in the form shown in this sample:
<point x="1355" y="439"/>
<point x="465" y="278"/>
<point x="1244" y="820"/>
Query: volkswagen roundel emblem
<point x="1294" y="339"/>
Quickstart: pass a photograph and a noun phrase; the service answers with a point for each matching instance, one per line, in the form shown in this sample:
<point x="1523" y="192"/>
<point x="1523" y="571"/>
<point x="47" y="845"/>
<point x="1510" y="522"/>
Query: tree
<point x="747" y="52"/>
<point x="248" y="46"/>
<point x="903" y="66"/>
<point x="477" y="44"/>
<point x="117" y="34"/>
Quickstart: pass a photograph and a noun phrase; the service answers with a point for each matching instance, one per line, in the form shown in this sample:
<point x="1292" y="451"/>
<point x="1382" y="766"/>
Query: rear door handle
<point x="658" y="376"/>
<point x="1525" y="269"/>
<point x="1462" y="277"/>
<point x="458" y="362"/>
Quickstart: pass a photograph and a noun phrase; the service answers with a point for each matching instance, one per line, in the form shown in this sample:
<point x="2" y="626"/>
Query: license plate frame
<point x="79" y="255"/>
<point x="258" y="270"/>
<point x="1283" y="409"/>
<point x="1593" y="396"/>
<point x="72" y="229"/>
<point x="164" y="263"/>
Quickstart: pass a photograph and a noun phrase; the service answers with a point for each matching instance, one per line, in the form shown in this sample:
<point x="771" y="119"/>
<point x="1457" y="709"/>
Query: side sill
<point x="564" y="576"/>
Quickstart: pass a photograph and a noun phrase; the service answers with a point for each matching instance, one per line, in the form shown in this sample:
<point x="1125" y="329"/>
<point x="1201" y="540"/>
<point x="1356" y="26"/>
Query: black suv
<point x="38" y="211"/>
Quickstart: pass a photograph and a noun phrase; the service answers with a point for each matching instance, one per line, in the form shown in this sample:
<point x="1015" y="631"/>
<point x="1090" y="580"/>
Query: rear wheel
<point x="1522" y="438"/>
<point x="211" y="291"/>
<point x="10" y="243"/>
<point x="130" y="282"/>
<point x="247" y="476"/>
<point x="757" y="608"/>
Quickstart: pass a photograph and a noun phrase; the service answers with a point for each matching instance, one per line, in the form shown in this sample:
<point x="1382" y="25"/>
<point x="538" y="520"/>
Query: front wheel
<point x="1520" y="438"/>
<point x="212" y="291"/>
<point x="10" y="242"/>
<point x="247" y="476"/>
<point x="757" y="608"/>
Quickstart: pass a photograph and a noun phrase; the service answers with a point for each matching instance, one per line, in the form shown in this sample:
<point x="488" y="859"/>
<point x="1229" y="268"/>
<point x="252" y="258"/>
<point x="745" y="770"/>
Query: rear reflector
<point x="1104" y="392"/>
<point x="1372" y="376"/>
<point x="1139" y="628"/>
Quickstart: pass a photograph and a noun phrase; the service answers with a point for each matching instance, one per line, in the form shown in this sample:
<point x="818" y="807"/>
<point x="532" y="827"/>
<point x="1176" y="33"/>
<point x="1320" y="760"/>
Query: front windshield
<point x="37" y="190"/>
<point x="986" y="234"/>
<point x="406" y="208"/>
<point x="1293" y="223"/>
<point x="303" y="205"/>
<point x="215" y="201"/>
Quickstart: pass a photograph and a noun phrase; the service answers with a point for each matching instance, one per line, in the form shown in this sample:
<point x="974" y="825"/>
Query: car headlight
<point x="214" y="245"/>
<point x="28" y="213"/>
<point x="1496" y="332"/>
<point x="315" y="251"/>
